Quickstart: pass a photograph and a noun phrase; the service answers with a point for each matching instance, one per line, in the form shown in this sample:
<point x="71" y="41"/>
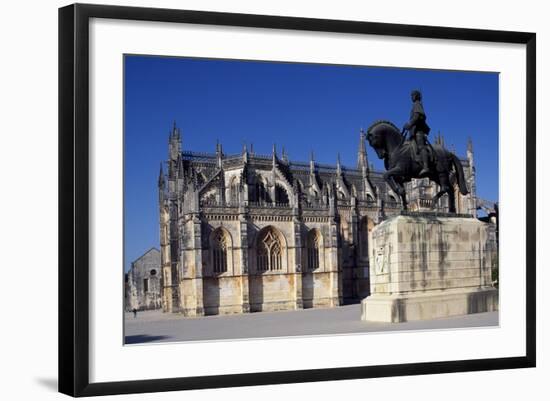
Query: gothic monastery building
<point x="250" y="232"/>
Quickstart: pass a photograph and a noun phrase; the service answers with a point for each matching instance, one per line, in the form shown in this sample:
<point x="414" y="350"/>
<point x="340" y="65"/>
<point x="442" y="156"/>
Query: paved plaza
<point x="155" y="326"/>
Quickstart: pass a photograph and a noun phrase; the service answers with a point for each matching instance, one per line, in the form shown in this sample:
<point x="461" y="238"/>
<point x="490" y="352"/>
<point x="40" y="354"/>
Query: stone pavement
<point x="155" y="326"/>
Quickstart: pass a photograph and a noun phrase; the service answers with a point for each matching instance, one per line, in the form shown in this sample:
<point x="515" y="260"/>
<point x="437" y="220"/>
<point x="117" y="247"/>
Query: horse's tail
<point x="460" y="174"/>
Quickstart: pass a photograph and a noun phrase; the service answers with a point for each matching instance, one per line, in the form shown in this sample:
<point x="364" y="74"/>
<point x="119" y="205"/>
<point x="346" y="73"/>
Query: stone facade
<point x="143" y="282"/>
<point x="428" y="266"/>
<point x="250" y="232"/>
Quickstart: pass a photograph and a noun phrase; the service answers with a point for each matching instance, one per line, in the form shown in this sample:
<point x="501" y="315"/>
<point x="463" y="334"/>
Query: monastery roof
<point x="152" y="249"/>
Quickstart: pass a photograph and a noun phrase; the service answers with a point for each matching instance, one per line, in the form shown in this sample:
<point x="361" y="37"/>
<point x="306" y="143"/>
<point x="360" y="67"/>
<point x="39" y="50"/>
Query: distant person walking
<point x="135" y="312"/>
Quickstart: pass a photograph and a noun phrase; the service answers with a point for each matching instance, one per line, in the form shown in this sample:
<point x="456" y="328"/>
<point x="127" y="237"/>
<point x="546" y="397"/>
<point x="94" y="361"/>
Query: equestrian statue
<point x="405" y="159"/>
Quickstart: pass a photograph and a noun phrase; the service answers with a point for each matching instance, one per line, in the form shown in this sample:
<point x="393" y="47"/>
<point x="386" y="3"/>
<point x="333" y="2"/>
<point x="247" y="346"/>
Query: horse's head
<point x="377" y="143"/>
<point x="383" y="137"/>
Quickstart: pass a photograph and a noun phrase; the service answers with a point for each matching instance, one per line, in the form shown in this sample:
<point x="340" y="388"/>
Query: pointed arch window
<point x="235" y="190"/>
<point x="220" y="245"/>
<point x="392" y="201"/>
<point x="269" y="252"/>
<point x="313" y="246"/>
<point x="260" y="195"/>
<point x="281" y="196"/>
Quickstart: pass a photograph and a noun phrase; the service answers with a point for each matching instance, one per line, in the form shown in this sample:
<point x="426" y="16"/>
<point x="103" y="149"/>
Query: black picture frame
<point x="74" y="194"/>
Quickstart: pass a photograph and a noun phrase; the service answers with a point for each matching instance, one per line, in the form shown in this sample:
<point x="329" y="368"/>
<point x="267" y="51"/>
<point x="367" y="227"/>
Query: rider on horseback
<point x="419" y="130"/>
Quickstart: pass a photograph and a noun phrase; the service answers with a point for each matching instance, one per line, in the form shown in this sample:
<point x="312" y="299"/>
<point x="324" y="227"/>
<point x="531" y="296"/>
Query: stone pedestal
<point x="427" y="267"/>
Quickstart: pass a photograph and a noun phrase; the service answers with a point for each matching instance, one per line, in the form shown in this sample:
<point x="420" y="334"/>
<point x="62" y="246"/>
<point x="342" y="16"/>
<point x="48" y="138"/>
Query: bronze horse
<point x="402" y="165"/>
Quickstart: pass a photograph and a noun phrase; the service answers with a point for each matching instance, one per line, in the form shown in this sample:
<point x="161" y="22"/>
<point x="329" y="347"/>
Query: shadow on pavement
<point x="143" y="338"/>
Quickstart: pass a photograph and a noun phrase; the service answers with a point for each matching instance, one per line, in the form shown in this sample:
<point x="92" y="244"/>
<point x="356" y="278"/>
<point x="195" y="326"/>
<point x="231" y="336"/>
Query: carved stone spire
<point x="284" y="155"/>
<point x="179" y="166"/>
<point x="219" y="154"/>
<point x="161" y="177"/>
<point x="439" y="139"/>
<point x="245" y="153"/>
<point x="471" y="177"/>
<point x="174" y="143"/>
<point x="362" y="162"/>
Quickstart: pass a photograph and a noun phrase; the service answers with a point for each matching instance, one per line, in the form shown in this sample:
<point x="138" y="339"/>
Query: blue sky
<point x="303" y="107"/>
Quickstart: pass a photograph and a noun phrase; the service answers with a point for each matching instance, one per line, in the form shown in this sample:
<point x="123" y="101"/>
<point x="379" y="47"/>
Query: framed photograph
<point x="252" y="199"/>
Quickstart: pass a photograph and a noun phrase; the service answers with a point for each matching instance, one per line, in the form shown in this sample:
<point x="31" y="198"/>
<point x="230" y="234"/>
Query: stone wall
<point x="143" y="282"/>
<point x="245" y="287"/>
<point x="428" y="267"/>
<point x="429" y="254"/>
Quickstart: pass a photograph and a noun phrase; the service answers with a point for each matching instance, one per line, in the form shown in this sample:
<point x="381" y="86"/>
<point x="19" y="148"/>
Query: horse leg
<point x="452" y="205"/>
<point x="402" y="194"/>
<point x="396" y="187"/>
<point x="388" y="177"/>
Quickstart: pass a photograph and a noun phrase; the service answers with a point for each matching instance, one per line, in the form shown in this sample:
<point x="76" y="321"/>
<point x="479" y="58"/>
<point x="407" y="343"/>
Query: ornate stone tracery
<point x="220" y="245"/>
<point x="235" y="191"/>
<point x="313" y="249"/>
<point x="269" y="251"/>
